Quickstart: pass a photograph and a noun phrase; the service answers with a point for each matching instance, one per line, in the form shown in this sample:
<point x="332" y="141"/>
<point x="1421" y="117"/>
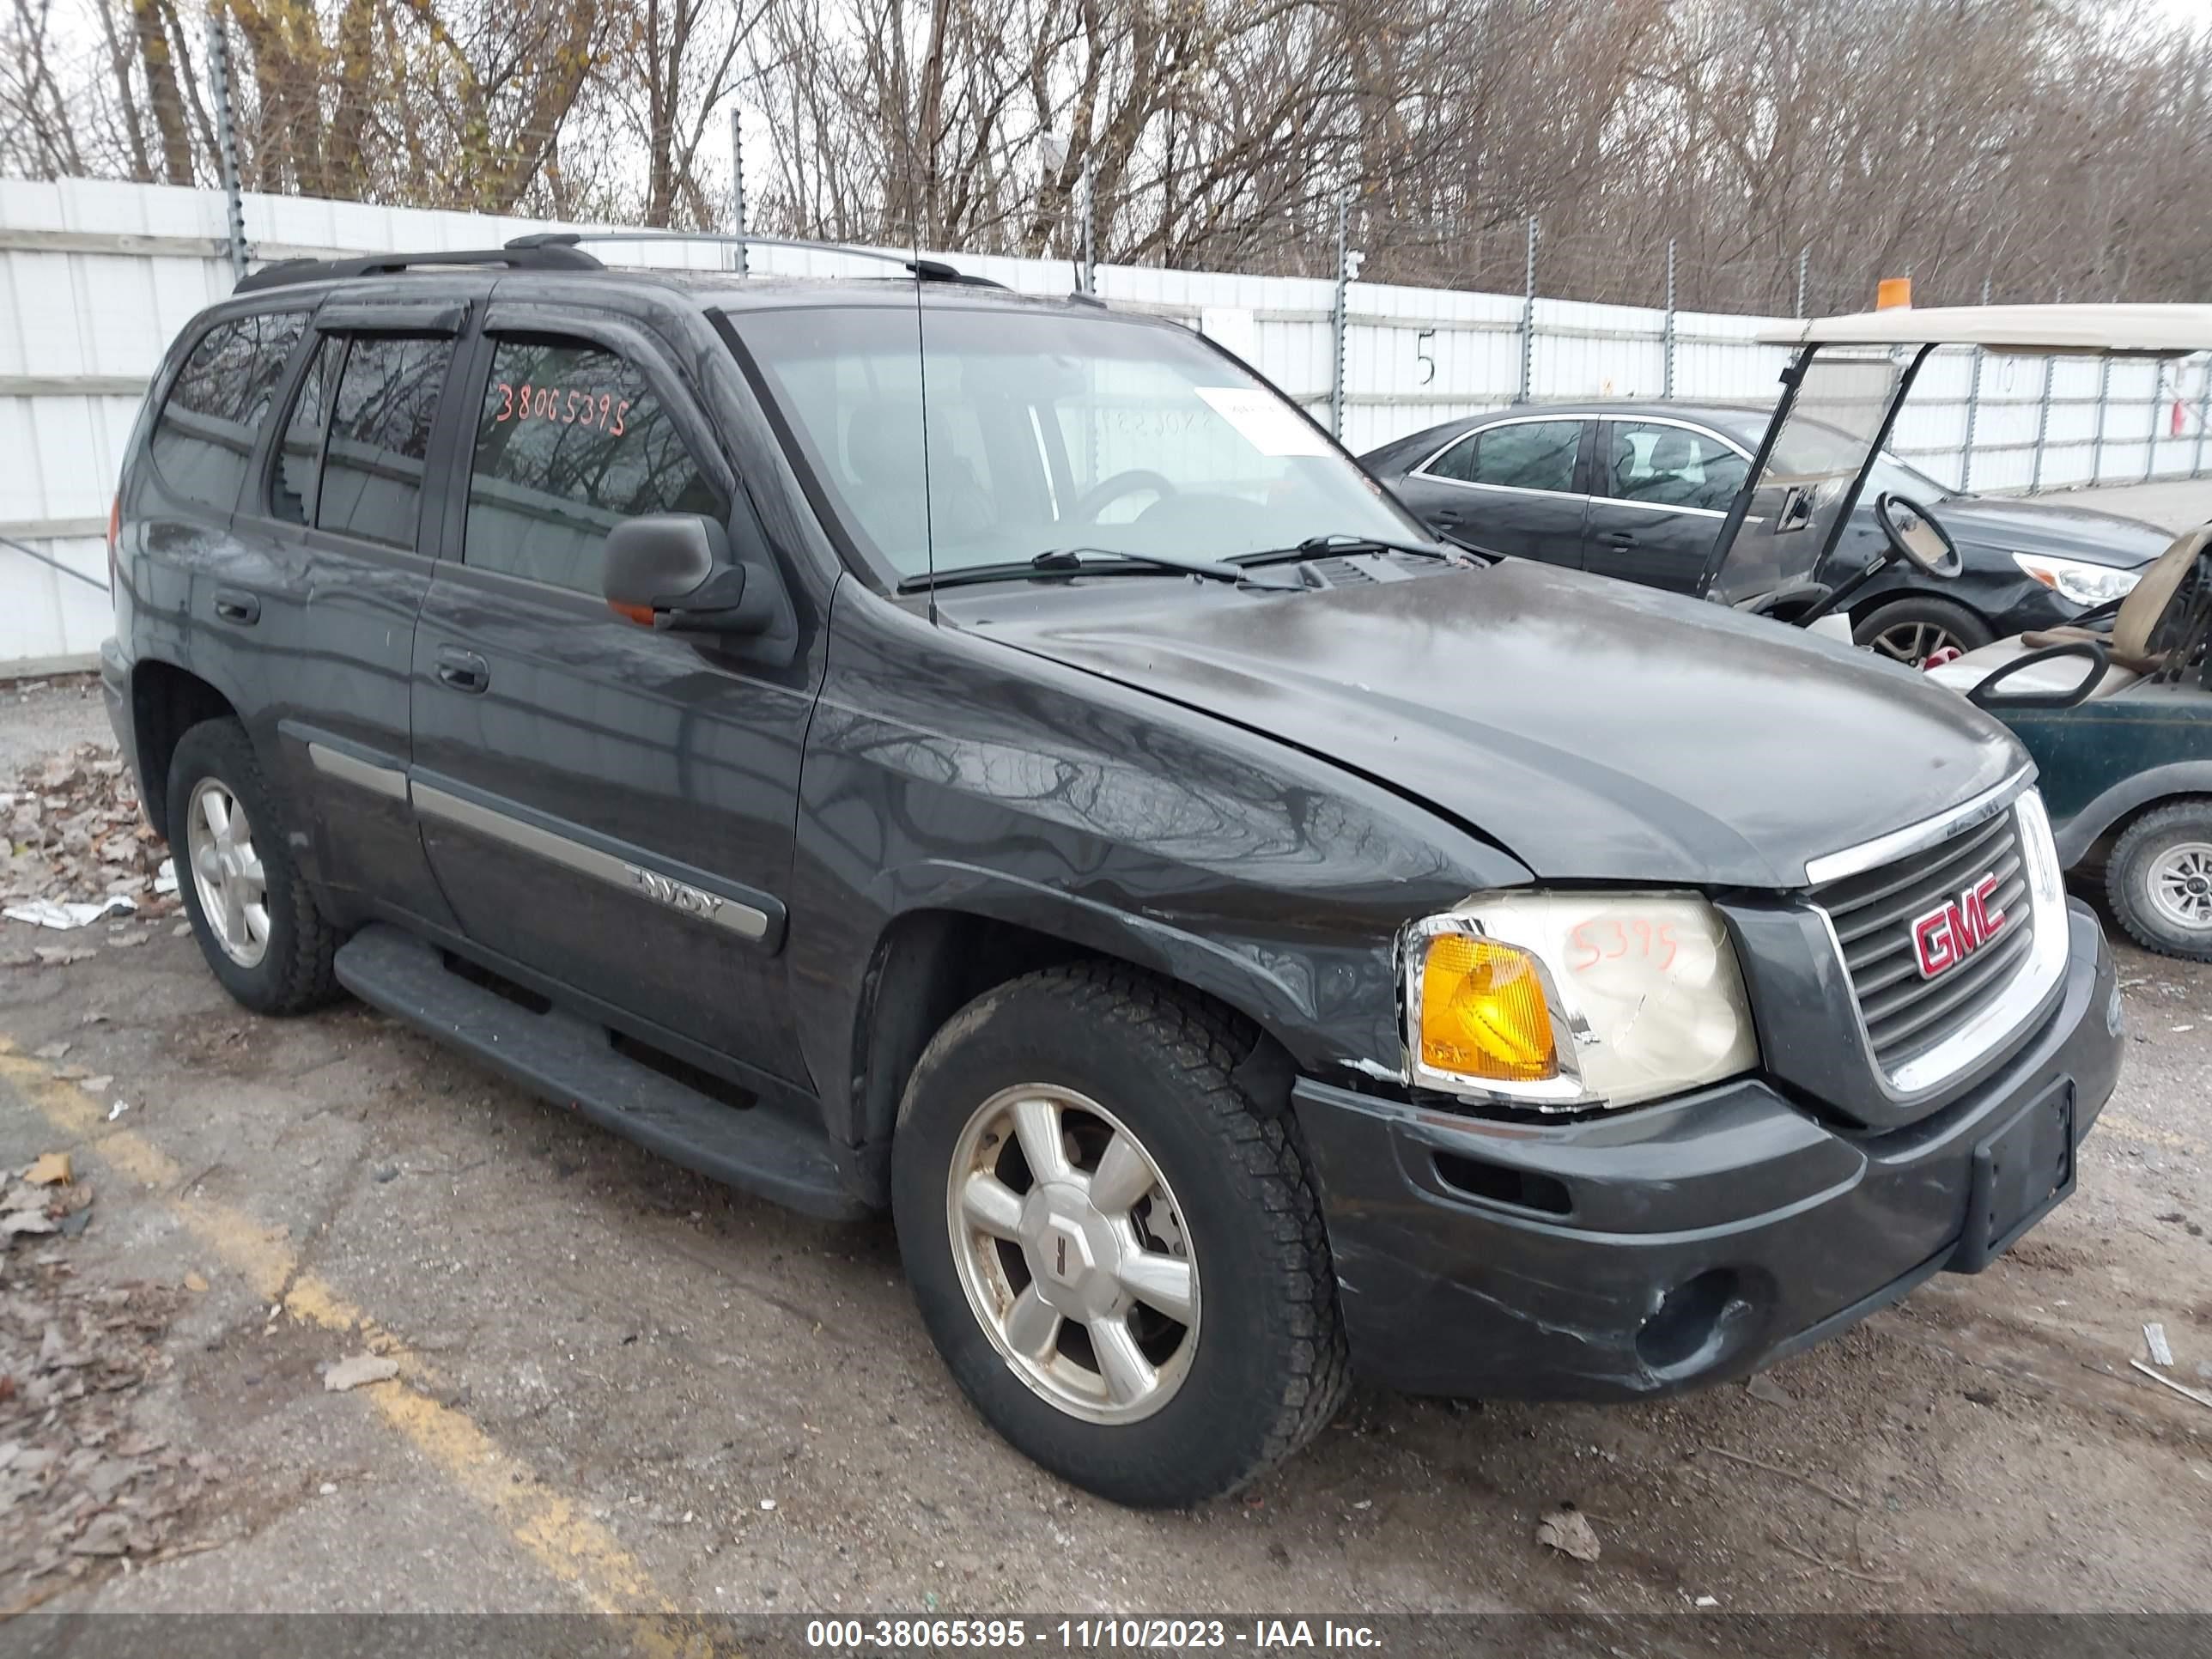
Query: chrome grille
<point x="1873" y="912"/>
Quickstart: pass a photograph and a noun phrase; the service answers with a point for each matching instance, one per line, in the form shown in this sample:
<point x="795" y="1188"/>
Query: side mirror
<point x="671" y="571"/>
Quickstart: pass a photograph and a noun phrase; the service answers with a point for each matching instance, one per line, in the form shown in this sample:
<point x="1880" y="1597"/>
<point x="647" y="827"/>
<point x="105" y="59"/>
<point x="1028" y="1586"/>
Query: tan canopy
<point x="2159" y="331"/>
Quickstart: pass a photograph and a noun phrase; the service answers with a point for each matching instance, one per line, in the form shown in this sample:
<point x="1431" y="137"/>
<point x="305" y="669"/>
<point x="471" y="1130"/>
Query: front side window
<point x="570" y="440"/>
<point x="213" y="415"/>
<point x="1047" y="432"/>
<point x="1671" y="466"/>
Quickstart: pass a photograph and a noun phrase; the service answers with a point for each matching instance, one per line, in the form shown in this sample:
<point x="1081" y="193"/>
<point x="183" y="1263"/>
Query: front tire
<point x="1907" y="630"/>
<point x="2159" y="880"/>
<point x="256" y="922"/>
<point x="1114" y="1241"/>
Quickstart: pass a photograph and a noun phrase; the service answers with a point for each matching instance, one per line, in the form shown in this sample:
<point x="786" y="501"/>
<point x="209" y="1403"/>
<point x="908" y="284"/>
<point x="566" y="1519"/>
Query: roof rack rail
<point x="929" y="271"/>
<point x="515" y="256"/>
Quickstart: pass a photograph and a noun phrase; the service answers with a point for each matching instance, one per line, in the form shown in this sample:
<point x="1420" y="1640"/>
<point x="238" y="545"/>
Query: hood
<point x="1595" y="729"/>
<point x="2041" y="526"/>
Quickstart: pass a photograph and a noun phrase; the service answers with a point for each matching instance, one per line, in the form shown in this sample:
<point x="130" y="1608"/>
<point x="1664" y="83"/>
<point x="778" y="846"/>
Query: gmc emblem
<point x="1951" y="932"/>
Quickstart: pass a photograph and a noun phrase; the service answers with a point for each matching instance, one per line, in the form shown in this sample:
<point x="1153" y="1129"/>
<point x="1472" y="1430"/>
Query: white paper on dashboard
<point x="1264" y="420"/>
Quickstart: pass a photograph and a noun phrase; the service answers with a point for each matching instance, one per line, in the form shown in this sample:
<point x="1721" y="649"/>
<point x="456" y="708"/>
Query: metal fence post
<point x="1804" y="266"/>
<point x="1529" y="315"/>
<point x="2203" y="414"/>
<point x="2157" y="412"/>
<point x="227" y="139"/>
<point x="1973" y="413"/>
<point x="2043" y="416"/>
<point x="2104" y="402"/>
<point x="1089" y="227"/>
<point x="1668" y="392"/>
<point x="737" y="189"/>
<point x="1336" y="316"/>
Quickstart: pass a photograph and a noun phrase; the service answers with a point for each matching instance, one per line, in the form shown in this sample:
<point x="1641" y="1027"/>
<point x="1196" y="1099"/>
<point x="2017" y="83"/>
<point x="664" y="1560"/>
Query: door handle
<point x="234" y="605"/>
<point x="464" y="670"/>
<point x="1618" y="538"/>
<point x="1446" y="516"/>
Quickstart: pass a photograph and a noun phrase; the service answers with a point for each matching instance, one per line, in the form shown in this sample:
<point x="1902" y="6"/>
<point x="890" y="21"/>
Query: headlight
<point x="1562" y="1001"/>
<point x="2078" y="579"/>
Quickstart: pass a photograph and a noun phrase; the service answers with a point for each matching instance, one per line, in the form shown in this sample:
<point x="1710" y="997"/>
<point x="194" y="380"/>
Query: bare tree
<point x="2036" y="144"/>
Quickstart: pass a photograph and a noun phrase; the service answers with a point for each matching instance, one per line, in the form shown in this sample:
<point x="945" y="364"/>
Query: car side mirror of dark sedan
<point x="672" y="571"/>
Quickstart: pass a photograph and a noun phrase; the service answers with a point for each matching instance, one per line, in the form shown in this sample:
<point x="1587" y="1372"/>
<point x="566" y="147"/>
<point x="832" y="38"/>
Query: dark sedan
<point x="1638" y="491"/>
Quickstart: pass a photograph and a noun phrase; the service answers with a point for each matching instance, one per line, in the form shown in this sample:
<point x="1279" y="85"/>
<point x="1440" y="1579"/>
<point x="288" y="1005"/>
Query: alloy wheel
<point x="1072" y="1252"/>
<point x="2179" y="880"/>
<point x="1914" y="643"/>
<point x="226" y="872"/>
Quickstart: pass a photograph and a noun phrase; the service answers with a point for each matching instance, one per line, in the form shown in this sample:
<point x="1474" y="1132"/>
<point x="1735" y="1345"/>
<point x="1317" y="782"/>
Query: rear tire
<point x="273" y="955"/>
<point x="1906" y="630"/>
<point x="2159" y="880"/>
<point x="1164" y="1168"/>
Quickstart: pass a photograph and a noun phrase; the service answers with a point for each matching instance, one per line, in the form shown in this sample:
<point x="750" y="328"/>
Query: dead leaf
<point x="361" y="1369"/>
<point x="26" y="1221"/>
<point x="50" y="1050"/>
<point x="49" y="1169"/>
<point x="1568" y="1530"/>
<point x="1763" y="1387"/>
<point x="194" y="1283"/>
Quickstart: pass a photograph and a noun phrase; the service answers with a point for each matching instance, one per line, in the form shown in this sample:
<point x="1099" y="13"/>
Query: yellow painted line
<point x="550" y="1526"/>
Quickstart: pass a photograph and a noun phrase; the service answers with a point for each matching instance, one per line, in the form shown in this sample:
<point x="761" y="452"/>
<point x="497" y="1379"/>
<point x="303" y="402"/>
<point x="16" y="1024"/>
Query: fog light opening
<point x="1524" y="1190"/>
<point x="1687" y="1328"/>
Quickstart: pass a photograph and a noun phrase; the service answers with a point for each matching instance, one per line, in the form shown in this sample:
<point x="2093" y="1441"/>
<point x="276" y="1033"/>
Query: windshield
<point x="1809" y="446"/>
<point x="1046" y="432"/>
<point x="1796" y="501"/>
<point x="1815" y="446"/>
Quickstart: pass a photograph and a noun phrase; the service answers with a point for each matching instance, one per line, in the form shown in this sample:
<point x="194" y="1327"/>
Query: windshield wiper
<point x="1071" y="561"/>
<point x="1345" y="541"/>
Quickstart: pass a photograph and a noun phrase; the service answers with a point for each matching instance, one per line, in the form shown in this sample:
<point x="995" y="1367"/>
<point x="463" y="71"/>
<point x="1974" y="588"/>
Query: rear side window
<point x="213" y="415"/>
<point x="1528" y="455"/>
<point x="352" y="455"/>
<point x="570" y="441"/>
<point x="1672" y="467"/>
<point x="299" y="457"/>
<point x="381" y="412"/>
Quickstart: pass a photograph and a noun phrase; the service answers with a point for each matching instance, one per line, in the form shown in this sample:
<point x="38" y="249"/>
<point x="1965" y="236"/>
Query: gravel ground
<point x="611" y="1370"/>
<point x="40" y="716"/>
<point x="623" y="1388"/>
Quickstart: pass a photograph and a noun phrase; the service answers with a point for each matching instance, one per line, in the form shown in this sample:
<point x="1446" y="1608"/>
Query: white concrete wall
<point x="97" y="276"/>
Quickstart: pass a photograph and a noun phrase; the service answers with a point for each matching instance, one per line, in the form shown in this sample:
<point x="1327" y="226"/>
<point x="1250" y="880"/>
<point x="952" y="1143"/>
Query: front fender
<point x="1279" y="990"/>
<point x="949" y="774"/>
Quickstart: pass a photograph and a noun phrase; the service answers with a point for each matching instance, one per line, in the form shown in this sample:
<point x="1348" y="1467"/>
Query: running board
<point x="572" y="1062"/>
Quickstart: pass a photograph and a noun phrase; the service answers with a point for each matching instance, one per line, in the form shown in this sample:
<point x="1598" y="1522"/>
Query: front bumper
<point x="1618" y="1258"/>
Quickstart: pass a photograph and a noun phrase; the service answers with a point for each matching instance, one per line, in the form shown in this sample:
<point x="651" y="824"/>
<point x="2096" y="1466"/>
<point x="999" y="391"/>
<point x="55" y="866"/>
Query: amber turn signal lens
<point x="1483" y="1013"/>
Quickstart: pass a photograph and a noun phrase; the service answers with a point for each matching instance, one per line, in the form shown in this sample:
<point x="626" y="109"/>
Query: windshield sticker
<point x="1264" y="420"/>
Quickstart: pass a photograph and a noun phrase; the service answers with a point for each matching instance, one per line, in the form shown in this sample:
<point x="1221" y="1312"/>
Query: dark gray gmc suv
<point x="895" y="745"/>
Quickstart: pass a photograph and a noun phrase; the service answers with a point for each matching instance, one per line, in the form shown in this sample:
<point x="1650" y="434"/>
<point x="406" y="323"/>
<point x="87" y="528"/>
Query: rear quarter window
<point x="204" y="438"/>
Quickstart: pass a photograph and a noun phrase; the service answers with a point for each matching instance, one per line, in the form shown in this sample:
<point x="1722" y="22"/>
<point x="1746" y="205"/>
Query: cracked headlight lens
<point x="1561" y="1001"/>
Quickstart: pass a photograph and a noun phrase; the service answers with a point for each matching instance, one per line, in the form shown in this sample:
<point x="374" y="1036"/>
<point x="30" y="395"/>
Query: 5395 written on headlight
<point x="1614" y="938"/>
